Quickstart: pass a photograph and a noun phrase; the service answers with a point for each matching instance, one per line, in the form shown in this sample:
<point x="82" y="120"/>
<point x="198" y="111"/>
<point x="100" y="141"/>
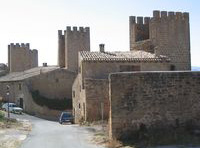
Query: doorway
<point x="21" y="103"/>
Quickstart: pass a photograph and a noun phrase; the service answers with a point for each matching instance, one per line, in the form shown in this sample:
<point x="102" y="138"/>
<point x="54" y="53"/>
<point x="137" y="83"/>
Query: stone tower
<point x="21" y="57"/>
<point x="69" y="44"/>
<point x="166" y="33"/>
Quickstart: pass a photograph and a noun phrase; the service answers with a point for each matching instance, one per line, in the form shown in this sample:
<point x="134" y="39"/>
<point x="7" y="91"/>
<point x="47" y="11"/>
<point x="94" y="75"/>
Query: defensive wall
<point x="152" y="100"/>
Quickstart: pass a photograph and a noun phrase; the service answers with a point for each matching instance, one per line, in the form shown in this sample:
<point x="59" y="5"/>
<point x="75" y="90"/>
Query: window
<point x="124" y="68"/>
<point x="57" y="80"/>
<point x="20" y="86"/>
<point x="172" y="68"/>
<point x="79" y="105"/>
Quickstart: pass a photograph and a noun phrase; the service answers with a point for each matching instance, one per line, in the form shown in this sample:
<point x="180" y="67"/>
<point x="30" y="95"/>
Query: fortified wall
<point x="21" y="57"/>
<point x="153" y="100"/>
<point x="166" y="33"/>
<point x="70" y="43"/>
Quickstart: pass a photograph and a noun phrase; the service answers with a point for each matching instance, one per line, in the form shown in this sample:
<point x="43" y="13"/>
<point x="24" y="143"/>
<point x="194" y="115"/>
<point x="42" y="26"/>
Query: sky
<point x="38" y="21"/>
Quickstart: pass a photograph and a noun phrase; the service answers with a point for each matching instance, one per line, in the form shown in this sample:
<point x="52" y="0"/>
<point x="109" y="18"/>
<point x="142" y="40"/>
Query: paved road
<point x="49" y="134"/>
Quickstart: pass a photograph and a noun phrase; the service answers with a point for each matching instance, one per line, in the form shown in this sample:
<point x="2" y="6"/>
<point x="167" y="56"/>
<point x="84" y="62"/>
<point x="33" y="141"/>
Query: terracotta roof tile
<point x="129" y="56"/>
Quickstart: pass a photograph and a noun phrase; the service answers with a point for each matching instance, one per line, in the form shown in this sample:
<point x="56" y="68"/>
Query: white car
<point x="12" y="108"/>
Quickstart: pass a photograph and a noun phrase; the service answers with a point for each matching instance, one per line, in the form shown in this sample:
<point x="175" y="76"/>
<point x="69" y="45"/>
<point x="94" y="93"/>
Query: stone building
<point x="21" y="57"/>
<point x="91" y="89"/>
<point x="166" y="33"/>
<point x="70" y="43"/>
<point x="52" y="83"/>
<point x="160" y="43"/>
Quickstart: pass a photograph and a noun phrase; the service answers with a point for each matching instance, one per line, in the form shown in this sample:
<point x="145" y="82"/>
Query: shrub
<point x="55" y="103"/>
<point x="2" y="115"/>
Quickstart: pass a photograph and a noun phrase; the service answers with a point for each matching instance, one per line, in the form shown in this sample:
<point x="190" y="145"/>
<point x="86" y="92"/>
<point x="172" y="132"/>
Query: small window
<point x="20" y="86"/>
<point x="57" y="80"/>
<point x="172" y="68"/>
<point x="79" y="105"/>
<point x="73" y="93"/>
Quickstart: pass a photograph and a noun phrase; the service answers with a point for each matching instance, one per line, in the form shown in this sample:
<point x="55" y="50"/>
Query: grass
<point x="8" y="122"/>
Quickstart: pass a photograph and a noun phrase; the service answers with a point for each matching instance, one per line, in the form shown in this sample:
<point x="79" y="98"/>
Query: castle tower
<point x="69" y="44"/>
<point x="170" y="33"/>
<point x="21" y="58"/>
<point x="61" y="49"/>
<point x="166" y="33"/>
<point x="139" y="30"/>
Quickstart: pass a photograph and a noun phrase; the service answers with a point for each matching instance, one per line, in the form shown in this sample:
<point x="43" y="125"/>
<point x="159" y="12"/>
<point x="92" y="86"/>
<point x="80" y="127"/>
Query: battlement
<point x="21" y="57"/>
<point x="139" y="20"/>
<point x="170" y="15"/>
<point x="23" y="45"/>
<point x="77" y="29"/>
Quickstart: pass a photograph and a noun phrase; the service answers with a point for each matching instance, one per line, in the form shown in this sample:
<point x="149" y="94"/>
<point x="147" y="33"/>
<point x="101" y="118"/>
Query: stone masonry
<point x="21" y="57"/>
<point x="166" y="33"/>
<point x="152" y="99"/>
<point x="70" y="44"/>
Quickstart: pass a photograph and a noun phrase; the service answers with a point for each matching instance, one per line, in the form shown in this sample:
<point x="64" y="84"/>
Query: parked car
<point x="66" y="117"/>
<point x="12" y="108"/>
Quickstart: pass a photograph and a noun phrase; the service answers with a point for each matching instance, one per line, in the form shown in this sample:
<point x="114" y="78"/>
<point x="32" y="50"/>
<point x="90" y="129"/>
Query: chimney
<point x="101" y="47"/>
<point x="44" y="64"/>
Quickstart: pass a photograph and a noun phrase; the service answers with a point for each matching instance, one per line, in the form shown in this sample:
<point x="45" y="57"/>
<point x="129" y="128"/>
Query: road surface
<point x="50" y="134"/>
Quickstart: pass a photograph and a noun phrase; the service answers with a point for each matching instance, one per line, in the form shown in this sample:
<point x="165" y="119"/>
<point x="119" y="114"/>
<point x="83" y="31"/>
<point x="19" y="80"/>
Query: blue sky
<point x="37" y="21"/>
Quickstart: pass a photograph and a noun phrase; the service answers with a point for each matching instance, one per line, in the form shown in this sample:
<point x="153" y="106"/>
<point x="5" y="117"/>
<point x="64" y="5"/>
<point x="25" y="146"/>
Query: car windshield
<point x="12" y="105"/>
<point x="65" y="115"/>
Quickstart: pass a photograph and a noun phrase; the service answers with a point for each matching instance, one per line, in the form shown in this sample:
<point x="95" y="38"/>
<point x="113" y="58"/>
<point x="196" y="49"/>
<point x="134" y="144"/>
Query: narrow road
<point x="50" y="134"/>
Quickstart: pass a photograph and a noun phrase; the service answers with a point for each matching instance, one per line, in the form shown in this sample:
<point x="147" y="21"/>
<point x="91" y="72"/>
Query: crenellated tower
<point x="166" y="33"/>
<point x="21" y="57"/>
<point x="139" y="29"/>
<point x="170" y="33"/>
<point x="70" y="43"/>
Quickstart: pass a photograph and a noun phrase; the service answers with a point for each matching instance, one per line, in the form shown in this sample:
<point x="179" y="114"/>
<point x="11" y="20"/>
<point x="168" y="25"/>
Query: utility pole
<point x="8" y="93"/>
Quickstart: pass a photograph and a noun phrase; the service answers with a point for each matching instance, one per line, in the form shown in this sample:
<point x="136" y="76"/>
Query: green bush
<point x="56" y="103"/>
<point x="2" y="115"/>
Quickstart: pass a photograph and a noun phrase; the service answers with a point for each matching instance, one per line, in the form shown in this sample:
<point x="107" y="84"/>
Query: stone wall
<point x="21" y="58"/>
<point x="97" y="100"/>
<point x="90" y="101"/>
<point x="145" y="45"/>
<point x="101" y="70"/>
<point x="154" y="99"/>
<point x="13" y="91"/>
<point x="54" y="84"/>
<point x="78" y="99"/>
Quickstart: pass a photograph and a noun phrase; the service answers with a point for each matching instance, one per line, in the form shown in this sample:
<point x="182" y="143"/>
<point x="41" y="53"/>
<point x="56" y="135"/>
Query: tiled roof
<point x="17" y="76"/>
<point x="129" y="56"/>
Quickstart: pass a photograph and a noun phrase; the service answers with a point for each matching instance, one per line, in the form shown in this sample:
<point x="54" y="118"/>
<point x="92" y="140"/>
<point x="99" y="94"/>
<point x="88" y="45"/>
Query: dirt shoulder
<point x="13" y="132"/>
